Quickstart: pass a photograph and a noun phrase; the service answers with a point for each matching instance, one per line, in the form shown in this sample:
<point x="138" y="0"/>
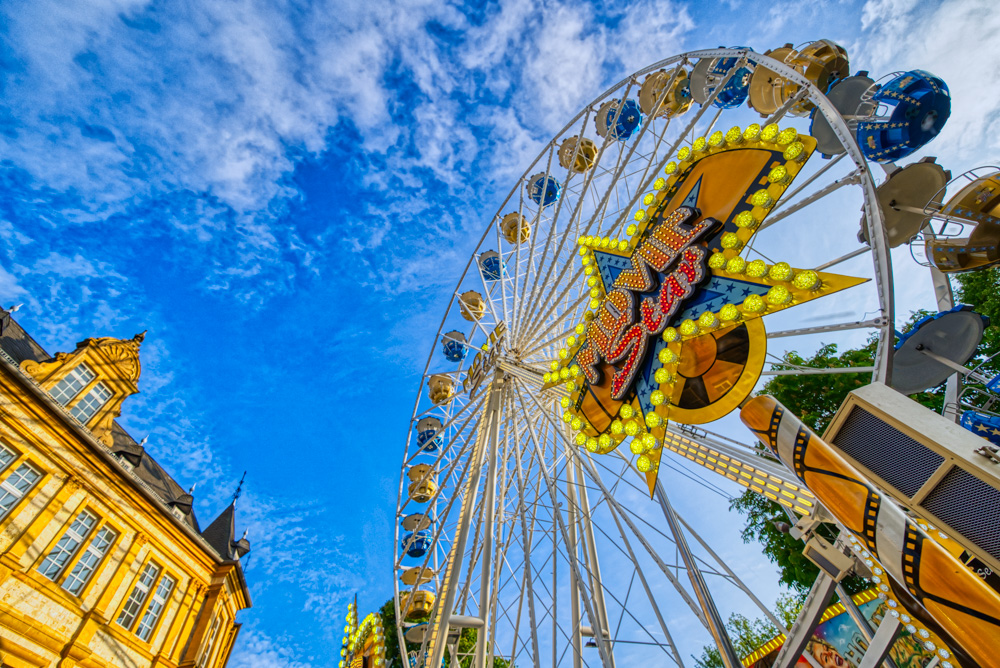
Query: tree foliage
<point x="749" y="634"/>
<point x="466" y="643"/>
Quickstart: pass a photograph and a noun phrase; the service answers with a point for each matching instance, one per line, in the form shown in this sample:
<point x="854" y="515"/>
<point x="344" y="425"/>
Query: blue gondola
<point x="428" y="434"/>
<point x="543" y="190"/>
<point x="453" y="344"/>
<point x="417" y="543"/>
<point x="918" y="106"/>
<point x="492" y="265"/>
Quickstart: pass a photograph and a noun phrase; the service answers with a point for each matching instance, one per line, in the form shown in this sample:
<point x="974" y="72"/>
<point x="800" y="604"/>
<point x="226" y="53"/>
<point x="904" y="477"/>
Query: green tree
<point x="749" y="634"/>
<point x="466" y="643"/>
<point x="981" y="289"/>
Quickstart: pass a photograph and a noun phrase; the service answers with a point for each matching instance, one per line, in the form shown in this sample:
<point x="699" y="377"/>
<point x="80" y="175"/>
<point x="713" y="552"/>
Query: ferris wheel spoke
<point x="853" y="178"/>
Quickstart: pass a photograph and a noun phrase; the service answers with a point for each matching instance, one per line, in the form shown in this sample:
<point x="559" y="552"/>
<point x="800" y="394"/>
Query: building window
<point x="17" y="485"/>
<point x="84" y="409"/>
<point x="6" y="457"/>
<point x="85" y="566"/>
<point x="206" y="654"/>
<point x="67" y="546"/>
<point x="155" y="608"/>
<point x="72" y="383"/>
<point x="138" y="596"/>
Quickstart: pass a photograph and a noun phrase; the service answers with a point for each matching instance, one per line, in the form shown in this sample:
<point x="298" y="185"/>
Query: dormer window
<point x="78" y="378"/>
<point x="85" y="408"/>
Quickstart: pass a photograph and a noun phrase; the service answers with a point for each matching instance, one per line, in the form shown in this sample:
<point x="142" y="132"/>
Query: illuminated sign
<point x="674" y="329"/>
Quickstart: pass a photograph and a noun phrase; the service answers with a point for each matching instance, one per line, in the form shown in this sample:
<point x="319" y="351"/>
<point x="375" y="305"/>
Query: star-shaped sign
<point x="675" y="331"/>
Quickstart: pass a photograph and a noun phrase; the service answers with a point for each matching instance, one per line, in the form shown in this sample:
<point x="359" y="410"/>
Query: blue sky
<point x="284" y="195"/>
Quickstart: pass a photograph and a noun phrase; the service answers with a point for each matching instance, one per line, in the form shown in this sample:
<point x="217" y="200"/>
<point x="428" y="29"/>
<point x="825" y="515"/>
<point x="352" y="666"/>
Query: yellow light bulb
<point x="576" y="424"/>
<point x="580" y="329"/>
<point x="717" y="260"/>
<point x="588" y="271"/>
<point x="656" y="397"/>
<point x="574" y="370"/>
<point x="626" y="411"/>
<point x="571" y="385"/>
<point x="604" y="441"/>
<point x="631" y="427"/>
<point x="648" y="198"/>
<point x="778" y="175"/>
<point x="716" y="138"/>
<point x="688" y="328"/>
<point x="554" y="365"/>
<point x="583" y="250"/>
<point x="649" y="441"/>
<point x="592" y="444"/>
<point x="796" y="152"/>
<point x="668" y="356"/>
<point x="780" y="272"/>
<point x="787" y="136"/>
<point x="567" y="416"/>
<point x="585" y="260"/>
<point x="605" y="241"/>
<point x="700" y="143"/>
<point x="754" y="304"/>
<point x="734" y="135"/>
<point x="770" y="132"/>
<point x="659" y="182"/>
<point x="571" y="341"/>
<point x="729" y="313"/>
<point x="595" y="293"/>
<point x="631" y="229"/>
<point x="708" y="320"/>
<point x="752" y="133"/>
<point x="564" y="373"/>
<point x="546" y="377"/>
<point x="564" y="402"/>
<point x="653" y="420"/>
<point x="806" y="280"/>
<point x="746" y="220"/>
<point x="589" y="315"/>
<point x="684" y="153"/>
<point x="636" y="446"/>
<point x="580" y="438"/>
<point x="617" y="427"/>
<point x="644" y="464"/>
<point x="762" y="199"/>
<point x="662" y="376"/>
<point x="592" y="281"/>
<point x="670" y="168"/>
<point x="736" y="265"/>
<point x="640" y="215"/>
<point x="670" y="335"/>
<point x="731" y="241"/>
<point x="563" y="353"/>
<point x="756" y="268"/>
<point x="778" y="295"/>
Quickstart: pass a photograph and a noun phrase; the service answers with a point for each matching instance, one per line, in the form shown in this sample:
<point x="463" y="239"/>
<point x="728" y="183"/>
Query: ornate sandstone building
<point x="102" y="560"/>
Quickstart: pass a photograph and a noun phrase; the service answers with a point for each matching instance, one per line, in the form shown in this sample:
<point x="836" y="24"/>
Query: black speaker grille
<point x="970" y="506"/>
<point x="887" y="452"/>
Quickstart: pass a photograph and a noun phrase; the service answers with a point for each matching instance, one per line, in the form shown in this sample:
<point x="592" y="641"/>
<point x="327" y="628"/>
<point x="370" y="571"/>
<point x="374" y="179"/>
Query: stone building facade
<point x="102" y="560"/>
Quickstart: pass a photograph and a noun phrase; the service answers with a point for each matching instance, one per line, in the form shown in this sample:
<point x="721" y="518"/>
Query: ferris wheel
<point x="622" y="298"/>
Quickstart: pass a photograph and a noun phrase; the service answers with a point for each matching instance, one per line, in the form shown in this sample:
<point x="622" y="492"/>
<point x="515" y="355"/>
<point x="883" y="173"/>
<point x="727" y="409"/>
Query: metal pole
<point x="574" y="590"/>
<point x="489" y="510"/>
<point x="715" y="623"/>
<point x="594" y="569"/>
<point x="439" y="627"/>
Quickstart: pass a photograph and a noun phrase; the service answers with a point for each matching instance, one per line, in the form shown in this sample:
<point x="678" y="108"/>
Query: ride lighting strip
<point x="757" y="478"/>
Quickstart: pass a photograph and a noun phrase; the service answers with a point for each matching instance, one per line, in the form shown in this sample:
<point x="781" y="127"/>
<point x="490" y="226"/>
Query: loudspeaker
<point x="926" y="463"/>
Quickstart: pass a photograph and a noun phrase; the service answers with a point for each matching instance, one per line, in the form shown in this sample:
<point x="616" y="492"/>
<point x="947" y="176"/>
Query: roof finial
<point x="191" y="491"/>
<point x="142" y="443"/>
<point x="15" y="307"/>
<point x="239" y="488"/>
<point x="140" y="337"/>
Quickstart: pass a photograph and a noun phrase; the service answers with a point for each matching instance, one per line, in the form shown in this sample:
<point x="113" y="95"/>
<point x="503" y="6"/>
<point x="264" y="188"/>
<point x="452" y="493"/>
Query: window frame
<point x="69" y="400"/>
<point x="64" y="531"/>
<point x="85" y="396"/>
<point x="148" y="563"/>
<point x="13" y="466"/>
<point x="152" y="598"/>
<point x="102" y="526"/>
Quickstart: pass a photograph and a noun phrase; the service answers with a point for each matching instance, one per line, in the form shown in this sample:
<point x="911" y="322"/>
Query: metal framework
<point x="559" y="555"/>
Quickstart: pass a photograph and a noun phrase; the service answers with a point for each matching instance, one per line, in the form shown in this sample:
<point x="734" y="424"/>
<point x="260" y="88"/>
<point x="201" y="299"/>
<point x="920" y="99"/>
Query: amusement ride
<point x="622" y="299"/>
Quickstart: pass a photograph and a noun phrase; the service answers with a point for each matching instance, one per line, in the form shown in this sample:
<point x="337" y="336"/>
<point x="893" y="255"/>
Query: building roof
<point x="19" y="345"/>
